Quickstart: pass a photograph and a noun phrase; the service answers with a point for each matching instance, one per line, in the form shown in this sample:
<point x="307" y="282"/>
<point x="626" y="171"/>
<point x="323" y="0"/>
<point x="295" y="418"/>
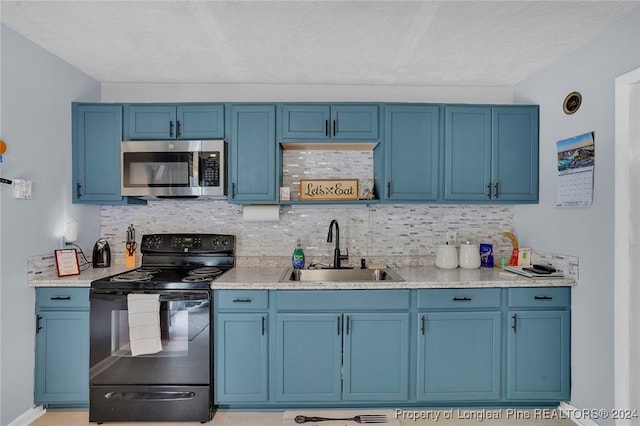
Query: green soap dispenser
<point x="298" y="256"/>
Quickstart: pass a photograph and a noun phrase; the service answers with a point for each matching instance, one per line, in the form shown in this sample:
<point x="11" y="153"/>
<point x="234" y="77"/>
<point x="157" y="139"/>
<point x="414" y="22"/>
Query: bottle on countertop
<point x="298" y="256"/>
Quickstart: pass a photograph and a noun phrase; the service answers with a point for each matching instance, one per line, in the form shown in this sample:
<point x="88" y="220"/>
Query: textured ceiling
<point x="424" y="43"/>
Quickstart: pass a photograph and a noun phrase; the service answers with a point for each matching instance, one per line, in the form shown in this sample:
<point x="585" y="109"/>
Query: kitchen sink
<point x="338" y="275"/>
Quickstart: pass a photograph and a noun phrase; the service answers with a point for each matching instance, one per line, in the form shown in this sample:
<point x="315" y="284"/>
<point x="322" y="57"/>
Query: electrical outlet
<point x="21" y="188"/>
<point x="451" y="237"/>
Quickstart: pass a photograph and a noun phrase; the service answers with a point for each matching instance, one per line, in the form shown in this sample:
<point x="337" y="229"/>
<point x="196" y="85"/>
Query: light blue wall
<point x="37" y="91"/>
<point x="585" y="232"/>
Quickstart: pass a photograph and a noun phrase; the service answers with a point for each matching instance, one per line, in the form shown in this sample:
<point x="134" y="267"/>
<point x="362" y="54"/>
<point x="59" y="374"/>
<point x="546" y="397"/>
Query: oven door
<point x="173" y="384"/>
<point x="160" y="168"/>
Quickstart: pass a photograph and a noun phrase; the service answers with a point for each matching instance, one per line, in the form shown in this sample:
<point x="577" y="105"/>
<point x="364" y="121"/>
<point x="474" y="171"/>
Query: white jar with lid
<point x="469" y="255"/>
<point x="447" y="257"/>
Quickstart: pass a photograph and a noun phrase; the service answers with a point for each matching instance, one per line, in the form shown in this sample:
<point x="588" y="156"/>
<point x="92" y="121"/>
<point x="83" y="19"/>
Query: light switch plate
<point x="22" y="188"/>
<point x="452" y="237"/>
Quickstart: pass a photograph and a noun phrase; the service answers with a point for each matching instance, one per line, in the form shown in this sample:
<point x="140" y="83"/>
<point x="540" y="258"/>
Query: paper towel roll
<point x="261" y="213"/>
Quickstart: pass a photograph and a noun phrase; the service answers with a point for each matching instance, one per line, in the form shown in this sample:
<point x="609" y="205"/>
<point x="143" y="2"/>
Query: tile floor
<point x="474" y="417"/>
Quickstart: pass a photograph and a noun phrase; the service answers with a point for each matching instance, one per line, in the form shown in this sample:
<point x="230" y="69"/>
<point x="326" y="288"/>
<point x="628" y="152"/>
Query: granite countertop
<point x="414" y="277"/>
<point x="51" y="279"/>
<point x="254" y="277"/>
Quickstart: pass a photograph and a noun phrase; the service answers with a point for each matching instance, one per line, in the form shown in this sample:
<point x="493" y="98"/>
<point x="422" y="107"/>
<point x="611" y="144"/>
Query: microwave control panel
<point x="210" y="169"/>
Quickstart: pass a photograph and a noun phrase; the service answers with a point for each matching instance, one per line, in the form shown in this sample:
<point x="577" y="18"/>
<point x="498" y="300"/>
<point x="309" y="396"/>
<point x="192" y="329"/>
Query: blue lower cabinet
<point x="376" y="357"/>
<point x="459" y="356"/>
<point x="62" y="358"/>
<point x="241" y="361"/>
<point x="538" y="359"/>
<point x="334" y="356"/>
<point x="308" y="357"/>
<point x="287" y="349"/>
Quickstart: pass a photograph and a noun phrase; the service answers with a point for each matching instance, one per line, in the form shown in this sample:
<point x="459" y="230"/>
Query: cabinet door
<point x="96" y="136"/>
<point x="308" y="357"/>
<point x="376" y="356"/>
<point x="538" y="364"/>
<point x="306" y="122"/>
<point x="151" y="122"/>
<point x="62" y="358"/>
<point x="201" y="121"/>
<point x="467" y="153"/>
<point x="253" y="154"/>
<point x="354" y="122"/>
<point x="412" y="153"/>
<point x="323" y="122"/>
<point x="458" y="356"/>
<point x="515" y="153"/>
<point x="241" y="368"/>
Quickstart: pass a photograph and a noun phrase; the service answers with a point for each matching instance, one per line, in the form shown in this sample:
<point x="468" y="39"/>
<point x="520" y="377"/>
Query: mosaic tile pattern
<point x="406" y="234"/>
<point x="298" y="165"/>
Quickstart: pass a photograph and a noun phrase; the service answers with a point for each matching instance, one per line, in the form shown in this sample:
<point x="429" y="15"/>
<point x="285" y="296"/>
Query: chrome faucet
<point x="337" y="257"/>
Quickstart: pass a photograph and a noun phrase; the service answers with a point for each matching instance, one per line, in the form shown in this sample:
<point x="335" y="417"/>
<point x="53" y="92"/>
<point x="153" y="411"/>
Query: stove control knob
<point x="225" y="242"/>
<point x="216" y="242"/>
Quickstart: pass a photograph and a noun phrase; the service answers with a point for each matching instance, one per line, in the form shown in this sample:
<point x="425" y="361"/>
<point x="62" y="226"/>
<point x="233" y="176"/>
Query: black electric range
<point x="176" y="262"/>
<point x="173" y="381"/>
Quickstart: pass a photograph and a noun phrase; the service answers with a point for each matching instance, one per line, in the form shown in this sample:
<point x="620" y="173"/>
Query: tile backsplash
<point x="407" y="234"/>
<point x="298" y="165"/>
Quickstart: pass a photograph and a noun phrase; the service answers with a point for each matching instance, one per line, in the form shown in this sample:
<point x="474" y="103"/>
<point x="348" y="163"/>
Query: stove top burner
<point x="207" y="273"/>
<point x="132" y="276"/>
<point x="148" y="270"/>
<point x="206" y="270"/>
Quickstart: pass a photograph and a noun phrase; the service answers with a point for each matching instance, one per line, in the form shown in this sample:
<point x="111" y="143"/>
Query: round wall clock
<point x="572" y="102"/>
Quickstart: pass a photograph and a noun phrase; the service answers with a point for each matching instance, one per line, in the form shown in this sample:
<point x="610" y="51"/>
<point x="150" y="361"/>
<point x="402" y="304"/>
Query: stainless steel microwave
<point x="174" y="169"/>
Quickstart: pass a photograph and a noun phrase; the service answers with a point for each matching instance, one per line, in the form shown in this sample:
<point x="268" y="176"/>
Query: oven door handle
<point x="150" y="396"/>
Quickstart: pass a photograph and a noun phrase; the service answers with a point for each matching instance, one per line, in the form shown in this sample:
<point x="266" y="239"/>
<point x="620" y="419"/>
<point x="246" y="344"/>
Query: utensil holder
<point x="129" y="259"/>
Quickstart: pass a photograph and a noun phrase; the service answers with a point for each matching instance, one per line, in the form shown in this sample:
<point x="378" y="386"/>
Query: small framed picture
<point x="67" y="262"/>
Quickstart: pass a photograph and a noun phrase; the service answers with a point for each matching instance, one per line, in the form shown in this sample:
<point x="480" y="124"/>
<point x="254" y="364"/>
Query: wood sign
<point x="329" y="189"/>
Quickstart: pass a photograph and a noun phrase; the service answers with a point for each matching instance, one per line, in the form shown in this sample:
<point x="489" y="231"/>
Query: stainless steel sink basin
<point x="338" y="275"/>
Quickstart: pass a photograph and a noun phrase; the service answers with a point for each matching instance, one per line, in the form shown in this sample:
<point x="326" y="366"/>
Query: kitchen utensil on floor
<point x="447" y="257"/>
<point x="365" y="418"/>
<point x="469" y="255"/>
<point x="101" y="257"/>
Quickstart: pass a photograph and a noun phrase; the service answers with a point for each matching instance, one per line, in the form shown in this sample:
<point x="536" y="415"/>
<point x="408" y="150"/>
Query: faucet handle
<point x="345" y="256"/>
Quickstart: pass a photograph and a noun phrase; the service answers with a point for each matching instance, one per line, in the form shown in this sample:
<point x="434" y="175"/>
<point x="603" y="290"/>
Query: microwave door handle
<point x="196" y="168"/>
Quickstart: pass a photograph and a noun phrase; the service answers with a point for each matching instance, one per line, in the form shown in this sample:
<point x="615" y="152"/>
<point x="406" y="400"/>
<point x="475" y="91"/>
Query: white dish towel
<point x="144" y="323"/>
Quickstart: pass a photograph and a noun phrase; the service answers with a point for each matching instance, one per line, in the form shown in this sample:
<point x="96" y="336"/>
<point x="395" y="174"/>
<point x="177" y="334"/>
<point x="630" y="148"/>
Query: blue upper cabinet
<point x="324" y="122"/>
<point x="467" y="153"/>
<point x="491" y="153"/>
<point x="252" y="153"/>
<point x="96" y="135"/>
<point x="165" y="121"/>
<point x="412" y="149"/>
<point x="514" y="153"/>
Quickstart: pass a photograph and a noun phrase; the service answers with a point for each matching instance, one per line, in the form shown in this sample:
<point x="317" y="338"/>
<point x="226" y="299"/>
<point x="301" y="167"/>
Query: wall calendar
<point x="576" y="163"/>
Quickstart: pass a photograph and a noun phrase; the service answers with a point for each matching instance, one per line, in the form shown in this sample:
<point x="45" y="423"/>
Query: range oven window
<point x="185" y="336"/>
<point x="158" y="169"/>
<point x="180" y="323"/>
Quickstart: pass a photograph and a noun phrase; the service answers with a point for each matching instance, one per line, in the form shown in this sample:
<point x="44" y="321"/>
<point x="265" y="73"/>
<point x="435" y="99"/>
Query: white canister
<point x="447" y="257"/>
<point x="469" y="255"/>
